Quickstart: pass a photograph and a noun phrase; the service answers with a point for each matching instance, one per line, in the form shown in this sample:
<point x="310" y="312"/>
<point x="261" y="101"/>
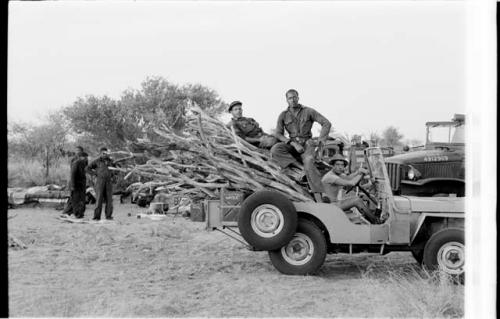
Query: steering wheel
<point x="370" y="197"/>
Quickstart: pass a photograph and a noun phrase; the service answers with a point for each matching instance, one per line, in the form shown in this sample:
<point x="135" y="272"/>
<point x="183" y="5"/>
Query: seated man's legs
<point x="283" y="154"/>
<point x="357" y="202"/>
<point x="312" y="173"/>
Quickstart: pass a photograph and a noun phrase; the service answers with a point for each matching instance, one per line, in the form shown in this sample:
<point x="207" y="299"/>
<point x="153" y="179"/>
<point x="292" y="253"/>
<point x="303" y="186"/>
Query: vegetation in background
<point x="391" y="137"/>
<point x="28" y="172"/>
<point x="93" y="121"/>
<point x="44" y="143"/>
<point x="116" y="122"/>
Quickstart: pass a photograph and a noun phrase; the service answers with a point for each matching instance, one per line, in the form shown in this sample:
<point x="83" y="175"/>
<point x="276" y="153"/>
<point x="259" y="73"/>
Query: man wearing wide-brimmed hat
<point x="247" y="128"/>
<point x="334" y="182"/>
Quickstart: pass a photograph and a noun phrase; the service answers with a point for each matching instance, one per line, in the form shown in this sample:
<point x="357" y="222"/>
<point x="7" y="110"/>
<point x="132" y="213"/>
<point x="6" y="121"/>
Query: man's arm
<point x="325" y="124"/>
<point x="91" y="168"/>
<point x="359" y="171"/>
<point x="334" y="179"/>
<point x="280" y="129"/>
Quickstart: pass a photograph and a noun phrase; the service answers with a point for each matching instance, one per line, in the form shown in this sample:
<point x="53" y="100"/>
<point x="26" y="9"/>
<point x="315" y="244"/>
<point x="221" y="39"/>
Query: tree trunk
<point x="47" y="163"/>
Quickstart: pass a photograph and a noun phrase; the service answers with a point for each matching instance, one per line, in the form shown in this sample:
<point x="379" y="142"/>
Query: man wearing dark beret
<point x="247" y="128"/>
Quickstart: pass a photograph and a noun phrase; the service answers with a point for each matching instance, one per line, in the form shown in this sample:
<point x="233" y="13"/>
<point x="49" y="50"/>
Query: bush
<point x="28" y="172"/>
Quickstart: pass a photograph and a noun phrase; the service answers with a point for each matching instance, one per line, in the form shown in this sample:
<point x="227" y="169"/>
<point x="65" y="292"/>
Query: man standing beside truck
<point x="298" y="120"/>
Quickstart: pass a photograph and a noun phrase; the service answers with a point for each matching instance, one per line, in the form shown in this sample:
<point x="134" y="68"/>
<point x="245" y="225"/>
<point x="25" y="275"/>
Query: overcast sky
<point x="364" y="65"/>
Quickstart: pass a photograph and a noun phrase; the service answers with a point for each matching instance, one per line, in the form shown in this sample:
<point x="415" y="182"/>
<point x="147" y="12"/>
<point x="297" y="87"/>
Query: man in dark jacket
<point x="298" y="120"/>
<point x="247" y="128"/>
<point x="103" y="184"/>
<point x="77" y="184"/>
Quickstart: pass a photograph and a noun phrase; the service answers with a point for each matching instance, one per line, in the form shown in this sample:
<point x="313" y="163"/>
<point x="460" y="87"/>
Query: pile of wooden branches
<point x="206" y="156"/>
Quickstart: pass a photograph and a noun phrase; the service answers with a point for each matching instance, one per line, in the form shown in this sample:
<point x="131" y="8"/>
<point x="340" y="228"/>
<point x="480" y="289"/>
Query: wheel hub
<point x="299" y="250"/>
<point x="451" y="258"/>
<point x="267" y="220"/>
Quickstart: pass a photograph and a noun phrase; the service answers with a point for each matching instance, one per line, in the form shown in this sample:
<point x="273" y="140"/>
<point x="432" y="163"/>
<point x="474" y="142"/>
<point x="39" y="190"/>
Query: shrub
<point x="28" y="172"/>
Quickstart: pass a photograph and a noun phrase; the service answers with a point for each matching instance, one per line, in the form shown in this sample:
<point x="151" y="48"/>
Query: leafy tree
<point x="157" y="102"/>
<point x="45" y="141"/>
<point x="161" y="102"/>
<point x="103" y="119"/>
<point x="391" y="137"/>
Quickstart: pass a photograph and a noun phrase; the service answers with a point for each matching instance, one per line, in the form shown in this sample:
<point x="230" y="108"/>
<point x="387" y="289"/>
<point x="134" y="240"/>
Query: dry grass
<point x="28" y="172"/>
<point x="415" y="292"/>
<point x="174" y="268"/>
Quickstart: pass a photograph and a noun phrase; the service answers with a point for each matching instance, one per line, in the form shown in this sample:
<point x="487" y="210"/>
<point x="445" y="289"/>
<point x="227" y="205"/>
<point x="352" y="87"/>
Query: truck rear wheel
<point x="445" y="251"/>
<point x="267" y="220"/>
<point x="304" y="254"/>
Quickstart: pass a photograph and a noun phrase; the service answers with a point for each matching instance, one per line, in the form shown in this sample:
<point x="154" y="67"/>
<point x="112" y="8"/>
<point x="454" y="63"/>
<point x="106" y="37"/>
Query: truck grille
<point x="448" y="169"/>
<point x="394" y="172"/>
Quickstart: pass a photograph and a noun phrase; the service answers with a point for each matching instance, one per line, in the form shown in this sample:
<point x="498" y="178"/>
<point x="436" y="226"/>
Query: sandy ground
<point x="175" y="268"/>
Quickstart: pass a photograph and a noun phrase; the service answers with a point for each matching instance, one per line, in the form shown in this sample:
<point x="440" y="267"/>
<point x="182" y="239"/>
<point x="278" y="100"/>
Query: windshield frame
<point x="450" y="125"/>
<point x="378" y="171"/>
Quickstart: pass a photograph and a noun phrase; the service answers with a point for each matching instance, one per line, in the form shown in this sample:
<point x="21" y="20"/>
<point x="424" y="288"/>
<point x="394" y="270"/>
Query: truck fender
<point x="423" y="216"/>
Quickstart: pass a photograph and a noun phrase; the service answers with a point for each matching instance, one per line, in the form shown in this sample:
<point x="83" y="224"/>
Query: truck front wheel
<point x="445" y="251"/>
<point x="304" y="254"/>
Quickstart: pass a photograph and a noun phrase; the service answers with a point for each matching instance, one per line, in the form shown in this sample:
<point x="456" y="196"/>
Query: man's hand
<point x="363" y="171"/>
<point x="267" y="141"/>
<point x="297" y="147"/>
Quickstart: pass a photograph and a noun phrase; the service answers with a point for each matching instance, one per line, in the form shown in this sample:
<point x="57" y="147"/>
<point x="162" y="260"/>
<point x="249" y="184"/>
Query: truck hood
<point x="432" y="204"/>
<point x="426" y="156"/>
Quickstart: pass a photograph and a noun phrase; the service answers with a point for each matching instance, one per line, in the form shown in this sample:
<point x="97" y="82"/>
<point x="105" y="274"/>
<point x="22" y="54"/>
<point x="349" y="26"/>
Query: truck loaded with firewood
<point x="275" y="211"/>
<point x="298" y="234"/>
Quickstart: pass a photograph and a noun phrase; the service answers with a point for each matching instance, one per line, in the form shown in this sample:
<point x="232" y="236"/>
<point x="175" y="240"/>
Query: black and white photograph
<point x="222" y="159"/>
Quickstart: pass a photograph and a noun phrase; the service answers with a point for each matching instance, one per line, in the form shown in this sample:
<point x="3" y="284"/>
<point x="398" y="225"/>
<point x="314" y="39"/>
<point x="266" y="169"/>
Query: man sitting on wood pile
<point x="77" y="185"/>
<point x="298" y="121"/>
<point x="247" y="128"/>
<point x="334" y="182"/>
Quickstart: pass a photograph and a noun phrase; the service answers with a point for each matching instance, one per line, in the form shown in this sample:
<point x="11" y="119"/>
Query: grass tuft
<point x="417" y="292"/>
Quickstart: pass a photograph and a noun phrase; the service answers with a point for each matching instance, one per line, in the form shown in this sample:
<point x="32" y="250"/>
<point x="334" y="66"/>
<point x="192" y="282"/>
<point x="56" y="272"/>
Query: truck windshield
<point x="440" y="133"/>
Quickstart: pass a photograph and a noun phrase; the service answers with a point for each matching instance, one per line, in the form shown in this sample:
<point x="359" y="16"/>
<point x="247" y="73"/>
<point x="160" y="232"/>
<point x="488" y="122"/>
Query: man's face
<point x="237" y="111"/>
<point x="78" y="150"/>
<point x="104" y="154"/>
<point x="293" y="99"/>
<point x="339" y="167"/>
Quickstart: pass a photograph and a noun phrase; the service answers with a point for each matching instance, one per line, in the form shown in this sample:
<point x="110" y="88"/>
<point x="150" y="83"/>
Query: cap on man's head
<point x="233" y="104"/>
<point x="338" y="157"/>
<point x="103" y="149"/>
<point x="84" y="154"/>
<point x="80" y="148"/>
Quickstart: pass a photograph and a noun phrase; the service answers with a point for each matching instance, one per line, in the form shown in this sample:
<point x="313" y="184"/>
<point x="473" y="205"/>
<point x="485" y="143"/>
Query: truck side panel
<point x="340" y="228"/>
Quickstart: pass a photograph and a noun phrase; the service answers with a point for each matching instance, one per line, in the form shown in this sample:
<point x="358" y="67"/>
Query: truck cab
<point x="436" y="170"/>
